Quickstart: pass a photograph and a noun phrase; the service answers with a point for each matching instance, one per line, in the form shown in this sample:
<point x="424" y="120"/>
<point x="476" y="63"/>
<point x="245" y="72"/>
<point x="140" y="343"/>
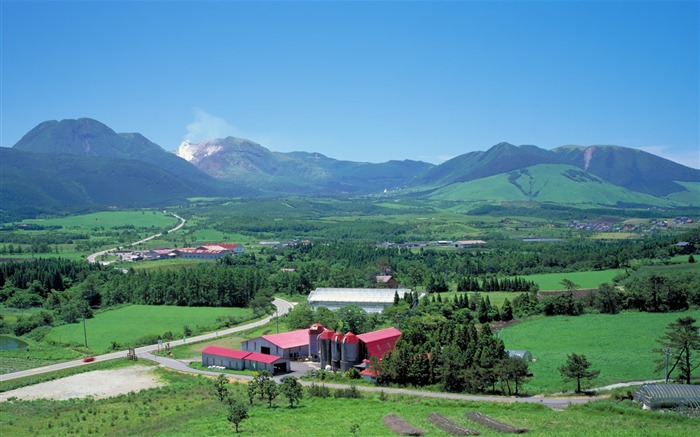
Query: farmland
<point x="620" y="345"/>
<point x="133" y="323"/>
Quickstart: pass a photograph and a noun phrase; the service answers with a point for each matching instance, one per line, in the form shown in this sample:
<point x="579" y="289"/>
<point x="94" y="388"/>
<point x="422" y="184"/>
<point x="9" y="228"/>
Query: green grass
<point x="589" y="279"/>
<point x="126" y="325"/>
<point x="110" y="219"/>
<point x="36" y="355"/>
<point x="620" y="346"/>
<point x="187" y="406"/>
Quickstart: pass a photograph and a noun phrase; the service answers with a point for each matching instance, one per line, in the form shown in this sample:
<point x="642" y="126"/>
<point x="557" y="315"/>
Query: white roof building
<point x="372" y="300"/>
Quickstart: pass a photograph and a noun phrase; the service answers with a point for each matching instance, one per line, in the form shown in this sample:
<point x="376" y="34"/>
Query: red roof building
<point x="293" y="344"/>
<point x="215" y="357"/>
<point x="377" y="343"/>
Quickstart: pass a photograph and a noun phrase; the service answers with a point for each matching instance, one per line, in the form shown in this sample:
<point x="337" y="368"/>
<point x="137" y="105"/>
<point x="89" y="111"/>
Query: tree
<point x="570" y="285"/>
<point x="258" y="382"/>
<point x="270" y="391"/>
<point x="683" y="339"/>
<point x="237" y="411"/>
<point x="511" y="370"/>
<point x="608" y="299"/>
<point x="292" y="390"/>
<point x="577" y="368"/>
<point x="220" y="388"/>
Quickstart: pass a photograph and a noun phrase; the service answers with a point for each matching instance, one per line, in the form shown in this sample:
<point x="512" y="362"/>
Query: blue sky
<point x="362" y="81"/>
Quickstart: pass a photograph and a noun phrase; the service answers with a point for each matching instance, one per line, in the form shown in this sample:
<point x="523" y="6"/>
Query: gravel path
<point x="98" y="384"/>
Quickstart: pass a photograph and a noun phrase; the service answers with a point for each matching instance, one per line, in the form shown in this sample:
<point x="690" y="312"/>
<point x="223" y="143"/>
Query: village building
<point x="372" y="300"/>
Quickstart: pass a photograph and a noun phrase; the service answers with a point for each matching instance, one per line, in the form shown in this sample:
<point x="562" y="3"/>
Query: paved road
<point x="283" y="307"/>
<point x="93" y="258"/>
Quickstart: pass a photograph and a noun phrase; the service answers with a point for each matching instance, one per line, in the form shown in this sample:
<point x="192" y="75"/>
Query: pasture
<point x="588" y="279"/>
<point x="130" y="324"/>
<point x="619" y="345"/>
<point x="110" y="219"/>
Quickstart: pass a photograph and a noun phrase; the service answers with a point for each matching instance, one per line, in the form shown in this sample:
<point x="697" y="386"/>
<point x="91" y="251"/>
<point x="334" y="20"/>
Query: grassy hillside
<point x="554" y="183"/>
<point x="620" y="345"/>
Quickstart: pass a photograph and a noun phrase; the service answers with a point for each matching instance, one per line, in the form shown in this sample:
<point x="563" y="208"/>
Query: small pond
<point x="11" y="343"/>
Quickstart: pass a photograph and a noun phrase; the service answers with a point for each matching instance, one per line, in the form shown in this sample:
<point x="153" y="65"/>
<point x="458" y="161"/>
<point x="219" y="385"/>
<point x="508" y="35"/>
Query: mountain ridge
<point x="239" y="167"/>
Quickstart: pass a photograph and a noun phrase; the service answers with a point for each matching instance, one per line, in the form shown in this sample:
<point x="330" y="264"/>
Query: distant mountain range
<point x="83" y="163"/>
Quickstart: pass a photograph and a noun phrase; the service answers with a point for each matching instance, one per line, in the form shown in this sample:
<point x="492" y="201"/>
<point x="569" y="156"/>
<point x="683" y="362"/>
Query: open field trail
<point x="283" y="307"/>
<point x="93" y="257"/>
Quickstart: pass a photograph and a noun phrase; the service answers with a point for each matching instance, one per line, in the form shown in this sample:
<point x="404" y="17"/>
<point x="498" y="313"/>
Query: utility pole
<point x="668" y="351"/>
<point x="277" y="318"/>
<point x="85" y="331"/>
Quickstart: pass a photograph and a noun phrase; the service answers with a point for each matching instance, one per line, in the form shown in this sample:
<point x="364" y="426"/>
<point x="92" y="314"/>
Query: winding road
<point x="93" y="258"/>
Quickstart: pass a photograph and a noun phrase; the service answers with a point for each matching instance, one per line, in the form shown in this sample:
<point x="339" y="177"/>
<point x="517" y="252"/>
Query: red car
<point x="88" y="359"/>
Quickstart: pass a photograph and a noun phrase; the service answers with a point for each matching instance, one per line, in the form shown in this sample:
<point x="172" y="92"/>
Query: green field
<point x="187" y="406"/>
<point x="590" y="279"/>
<point x="110" y="219"/>
<point x="619" y="345"/>
<point x="128" y="324"/>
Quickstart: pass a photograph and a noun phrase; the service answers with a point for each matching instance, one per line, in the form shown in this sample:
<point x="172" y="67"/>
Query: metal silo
<point x="314" y="333"/>
<point x="350" y="351"/>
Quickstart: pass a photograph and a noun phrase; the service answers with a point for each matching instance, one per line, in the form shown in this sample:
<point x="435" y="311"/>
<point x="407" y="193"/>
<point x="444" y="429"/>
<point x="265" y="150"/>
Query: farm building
<point x="377" y="343"/>
<point x="525" y="355"/>
<point x="372" y="300"/>
<point x="209" y="251"/>
<point x="242" y="360"/>
<point x="668" y="396"/>
<point x="293" y="344"/>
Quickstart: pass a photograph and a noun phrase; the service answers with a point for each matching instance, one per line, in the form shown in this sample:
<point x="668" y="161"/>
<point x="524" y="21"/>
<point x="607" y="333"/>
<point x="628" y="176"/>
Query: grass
<point x="110" y="219"/>
<point x="620" y="346"/>
<point x="187" y="406"/>
<point x="36" y="355"/>
<point x="127" y="325"/>
<point x="589" y="279"/>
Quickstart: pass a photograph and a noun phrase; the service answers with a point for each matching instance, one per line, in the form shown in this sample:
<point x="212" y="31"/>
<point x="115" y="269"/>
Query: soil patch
<point x="98" y="384"/>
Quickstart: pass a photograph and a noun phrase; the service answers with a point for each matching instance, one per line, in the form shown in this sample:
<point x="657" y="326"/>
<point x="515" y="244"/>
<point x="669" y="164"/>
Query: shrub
<point x="319" y="391"/>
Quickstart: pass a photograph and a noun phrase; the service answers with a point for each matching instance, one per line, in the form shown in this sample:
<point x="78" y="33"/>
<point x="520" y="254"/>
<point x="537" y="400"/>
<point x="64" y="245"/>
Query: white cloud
<point x="689" y="158"/>
<point x="208" y="127"/>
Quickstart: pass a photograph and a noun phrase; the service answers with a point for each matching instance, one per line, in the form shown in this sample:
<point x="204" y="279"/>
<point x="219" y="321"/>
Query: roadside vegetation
<point x="189" y="405"/>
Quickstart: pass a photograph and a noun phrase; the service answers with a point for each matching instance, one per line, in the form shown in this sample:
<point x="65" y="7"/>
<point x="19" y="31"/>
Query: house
<point x="372" y="300"/>
<point x="234" y="359"/>
<point x="387" y="281"/>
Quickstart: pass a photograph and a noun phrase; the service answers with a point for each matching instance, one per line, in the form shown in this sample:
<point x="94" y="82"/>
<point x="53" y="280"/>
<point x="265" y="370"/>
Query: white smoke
<point x="208" y="127"/>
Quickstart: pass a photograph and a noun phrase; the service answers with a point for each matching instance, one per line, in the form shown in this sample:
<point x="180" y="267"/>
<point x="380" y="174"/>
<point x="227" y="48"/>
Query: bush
<point x="319" y="391"/>
<point x="350" y="393"/>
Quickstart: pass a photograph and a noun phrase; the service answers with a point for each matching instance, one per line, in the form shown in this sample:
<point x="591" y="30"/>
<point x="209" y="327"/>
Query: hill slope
<point x="552" y="183"/>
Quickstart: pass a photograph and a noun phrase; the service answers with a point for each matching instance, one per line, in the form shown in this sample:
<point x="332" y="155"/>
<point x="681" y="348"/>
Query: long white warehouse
<point x="372" y="300"/>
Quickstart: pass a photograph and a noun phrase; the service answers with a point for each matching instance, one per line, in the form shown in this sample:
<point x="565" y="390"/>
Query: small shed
<point x="522" y="354"/>
<point x="655" y="396"/>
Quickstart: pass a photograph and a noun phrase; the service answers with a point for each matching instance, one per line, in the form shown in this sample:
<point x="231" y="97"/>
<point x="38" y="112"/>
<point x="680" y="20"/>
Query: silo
<point x="326" y="340"/>
<point x="350" y="351"/>
<point x="336" y="351"/>
<point x="314" y="332"/>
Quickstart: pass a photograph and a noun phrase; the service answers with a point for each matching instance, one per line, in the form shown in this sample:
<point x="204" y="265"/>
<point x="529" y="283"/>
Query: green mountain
<point x="55" y="180"/>
<point x="633" y="169"/>
<point x="550" y="183"/>
<point x="83" y="163"/>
